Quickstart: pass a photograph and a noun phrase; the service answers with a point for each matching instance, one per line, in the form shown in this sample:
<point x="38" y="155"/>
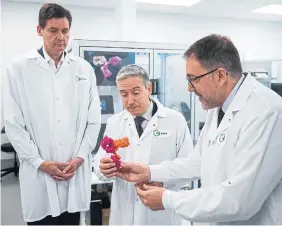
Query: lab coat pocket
<point x="216" y="153"/>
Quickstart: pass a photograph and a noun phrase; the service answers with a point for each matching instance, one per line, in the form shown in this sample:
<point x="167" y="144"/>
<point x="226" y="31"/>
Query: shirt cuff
<point x="157" y="173"/>
<point x="84" y="157"/>
<point x="167" y="199"/>
<point x="36" y="162"/>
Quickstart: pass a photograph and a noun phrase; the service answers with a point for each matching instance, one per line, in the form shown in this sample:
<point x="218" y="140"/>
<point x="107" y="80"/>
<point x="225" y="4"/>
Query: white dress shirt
<point x="231" y="96"/>
<point x="51" y="62"/>
<point x="165" y="138"/>
<point x="240" y="164"/>
<point x="52" y="115"/>
<point x="147" y="115"/>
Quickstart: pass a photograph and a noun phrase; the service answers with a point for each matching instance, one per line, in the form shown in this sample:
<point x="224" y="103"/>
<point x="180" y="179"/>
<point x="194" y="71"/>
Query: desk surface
<point x="95" y="180"/>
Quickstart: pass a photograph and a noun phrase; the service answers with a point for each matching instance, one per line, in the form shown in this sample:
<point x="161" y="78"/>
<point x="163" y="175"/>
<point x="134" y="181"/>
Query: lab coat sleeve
<point x="256" y="171"/>
<point x="15" y="126"/>
<point x="186" y="167"/>
<point x="100" y="154"/>
<point x="93" y="123"/>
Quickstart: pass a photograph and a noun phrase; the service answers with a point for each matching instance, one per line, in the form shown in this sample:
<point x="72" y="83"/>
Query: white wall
<point x="19" y="23"/>
<point x="255" y="40"/>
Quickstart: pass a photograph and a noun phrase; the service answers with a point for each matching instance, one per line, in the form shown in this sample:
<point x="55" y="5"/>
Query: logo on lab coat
<point x="221" y="138"/>
<point x="160" y="133"/>
<point x="156" y="133"/>
<point x="78" y="79"/>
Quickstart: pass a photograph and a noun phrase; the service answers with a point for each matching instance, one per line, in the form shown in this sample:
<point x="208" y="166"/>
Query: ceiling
<point x="236" y="9"/>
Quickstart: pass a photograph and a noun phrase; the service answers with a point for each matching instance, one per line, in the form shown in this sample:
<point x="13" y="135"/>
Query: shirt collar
<point x="48" y="58"/>
<point x="148" y="114"/>
<point x="231" y="96"/>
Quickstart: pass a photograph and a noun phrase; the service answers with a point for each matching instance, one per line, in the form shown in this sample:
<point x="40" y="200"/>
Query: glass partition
<point x="169" y="70"/>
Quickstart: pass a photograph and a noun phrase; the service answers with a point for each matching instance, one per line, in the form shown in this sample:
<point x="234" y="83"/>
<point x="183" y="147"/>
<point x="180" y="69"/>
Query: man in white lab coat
<point x="240" y="146"/>
<point x="52" y="119"/>
<point x="155" y="133"/>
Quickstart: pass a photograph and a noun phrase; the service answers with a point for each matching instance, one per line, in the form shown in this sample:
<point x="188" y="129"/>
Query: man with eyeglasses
<point x="240" y="146"/>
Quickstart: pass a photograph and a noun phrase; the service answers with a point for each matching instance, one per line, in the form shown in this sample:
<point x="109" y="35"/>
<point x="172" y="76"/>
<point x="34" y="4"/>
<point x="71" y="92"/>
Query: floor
<point x="11" y="212"/>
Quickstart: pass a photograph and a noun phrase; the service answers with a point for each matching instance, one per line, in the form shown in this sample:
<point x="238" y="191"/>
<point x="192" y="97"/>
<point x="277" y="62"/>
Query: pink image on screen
<point x="115" y="61"/>
<point x="105" y="69"/>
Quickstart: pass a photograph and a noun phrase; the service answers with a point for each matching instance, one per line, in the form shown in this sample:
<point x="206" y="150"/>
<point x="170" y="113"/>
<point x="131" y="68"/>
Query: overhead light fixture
<point x="185" y="3"/>
<point x="274" y="9"/>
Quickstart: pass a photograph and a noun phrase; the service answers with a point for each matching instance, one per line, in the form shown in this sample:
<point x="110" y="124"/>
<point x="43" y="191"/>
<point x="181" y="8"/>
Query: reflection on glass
<point x="169" y="68"/>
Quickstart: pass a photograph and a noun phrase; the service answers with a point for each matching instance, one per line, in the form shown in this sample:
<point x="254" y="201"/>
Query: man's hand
<point x="55" y="170"/>
<point x="151" y="183"/>
<point x="108" y="167"/>
<point x="151" y="196"/>
<point x="65" y="176"/>
<point x="134" y="172"/>
<point x="73" y="165"/>
<point x="155" y="184"/>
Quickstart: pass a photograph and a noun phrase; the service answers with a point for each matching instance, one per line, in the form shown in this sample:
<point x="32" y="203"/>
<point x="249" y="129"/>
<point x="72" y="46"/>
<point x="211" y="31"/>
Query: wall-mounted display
<point x="107" y="64"/>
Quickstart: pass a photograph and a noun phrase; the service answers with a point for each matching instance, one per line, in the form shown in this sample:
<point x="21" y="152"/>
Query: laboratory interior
<point x="153" y="34"/>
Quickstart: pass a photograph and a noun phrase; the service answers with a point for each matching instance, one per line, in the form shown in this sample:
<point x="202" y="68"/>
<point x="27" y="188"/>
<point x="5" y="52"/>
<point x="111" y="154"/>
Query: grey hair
<point x="133" y="70"/>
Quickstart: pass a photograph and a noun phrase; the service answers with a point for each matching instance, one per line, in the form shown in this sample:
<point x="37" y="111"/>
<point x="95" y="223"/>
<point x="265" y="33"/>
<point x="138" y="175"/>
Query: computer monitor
<point x="277" y="87"/>
<point x="107" y="104"/>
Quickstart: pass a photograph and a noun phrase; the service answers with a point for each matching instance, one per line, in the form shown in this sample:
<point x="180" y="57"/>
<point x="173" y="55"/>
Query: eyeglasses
<point x="190" y="80"/>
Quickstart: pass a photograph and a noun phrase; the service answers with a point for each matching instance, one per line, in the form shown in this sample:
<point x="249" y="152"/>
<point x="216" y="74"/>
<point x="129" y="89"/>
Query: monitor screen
<point x="107" y="104"/>
<point x="107" y="64"/>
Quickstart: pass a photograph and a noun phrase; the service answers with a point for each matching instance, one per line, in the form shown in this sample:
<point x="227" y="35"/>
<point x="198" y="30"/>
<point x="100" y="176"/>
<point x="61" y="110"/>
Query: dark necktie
<point x="220" y="116"/>
<point x="138" y="121"/>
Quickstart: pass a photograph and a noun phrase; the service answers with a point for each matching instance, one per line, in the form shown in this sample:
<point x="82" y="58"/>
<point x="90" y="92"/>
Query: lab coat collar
<point x="149" y="113"/>
<point x="232" y="94"/>
<point x="35" y="55"/>
<point x="69" y="58"/>
<point x="243" y="94"/>
<point x="153" y="123"/>
<point x="161" y="112"/>
<point x="236" y="105"/>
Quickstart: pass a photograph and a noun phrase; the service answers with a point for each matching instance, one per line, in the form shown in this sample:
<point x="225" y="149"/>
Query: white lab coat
<point x="126" y="207"/>
<point x="52" y="116"/>
<point x="241" y="163"/>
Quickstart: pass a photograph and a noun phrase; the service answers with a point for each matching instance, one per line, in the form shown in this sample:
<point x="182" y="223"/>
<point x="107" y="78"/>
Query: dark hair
<point x="215" y="51"/>
<point x="49" y="11"/>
